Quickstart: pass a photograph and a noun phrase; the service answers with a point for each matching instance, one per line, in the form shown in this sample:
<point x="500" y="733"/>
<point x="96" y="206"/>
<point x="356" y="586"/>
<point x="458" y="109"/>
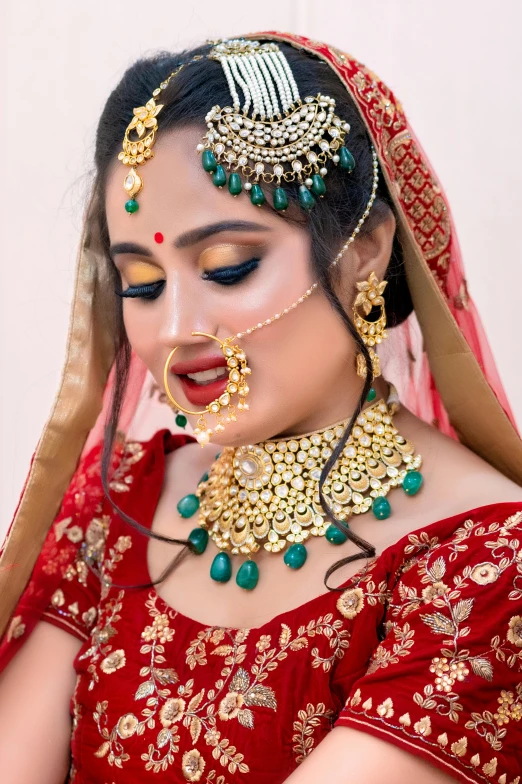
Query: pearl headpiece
<point x="275" y="136"/>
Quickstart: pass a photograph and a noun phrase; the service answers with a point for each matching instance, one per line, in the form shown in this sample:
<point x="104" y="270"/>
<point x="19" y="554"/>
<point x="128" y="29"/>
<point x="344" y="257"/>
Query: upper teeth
<point x="208" y="375"/>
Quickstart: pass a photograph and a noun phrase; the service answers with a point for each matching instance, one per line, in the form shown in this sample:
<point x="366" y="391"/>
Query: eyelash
<point x="226" y="276"/>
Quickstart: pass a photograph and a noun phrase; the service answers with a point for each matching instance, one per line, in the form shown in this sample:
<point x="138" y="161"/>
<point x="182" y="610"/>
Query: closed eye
<point x="228" y="276"/>
<point x="146" y="291"/>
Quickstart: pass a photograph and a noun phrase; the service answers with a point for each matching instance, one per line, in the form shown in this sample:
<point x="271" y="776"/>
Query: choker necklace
<point x="267" y="494"/>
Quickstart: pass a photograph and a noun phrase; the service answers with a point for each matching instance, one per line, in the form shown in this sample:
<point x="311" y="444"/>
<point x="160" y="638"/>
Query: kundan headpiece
<point x="275" y="137"/>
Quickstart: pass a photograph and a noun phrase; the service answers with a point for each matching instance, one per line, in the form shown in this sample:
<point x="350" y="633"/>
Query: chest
<point x="158" y="692"/>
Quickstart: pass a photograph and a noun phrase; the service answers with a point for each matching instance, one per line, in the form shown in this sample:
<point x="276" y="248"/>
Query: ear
<point x="369" y="253"/>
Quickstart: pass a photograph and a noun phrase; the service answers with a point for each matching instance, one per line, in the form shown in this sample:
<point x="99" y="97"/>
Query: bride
<point x="313" y="572"/>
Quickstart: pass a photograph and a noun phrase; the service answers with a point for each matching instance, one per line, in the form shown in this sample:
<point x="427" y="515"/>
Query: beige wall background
<point x="455" y="64"/>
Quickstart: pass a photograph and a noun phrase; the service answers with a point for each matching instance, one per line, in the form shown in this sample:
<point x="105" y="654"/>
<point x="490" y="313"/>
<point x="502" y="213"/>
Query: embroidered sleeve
<point x="63" y="590"/>
<point x="445" y="681"/>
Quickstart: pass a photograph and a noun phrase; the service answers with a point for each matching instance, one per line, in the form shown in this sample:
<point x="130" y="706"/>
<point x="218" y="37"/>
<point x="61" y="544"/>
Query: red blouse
<point x="423" y="648"/>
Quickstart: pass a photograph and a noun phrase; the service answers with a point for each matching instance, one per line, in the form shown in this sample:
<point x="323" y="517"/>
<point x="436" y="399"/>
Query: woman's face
<point x="221" y="265"/>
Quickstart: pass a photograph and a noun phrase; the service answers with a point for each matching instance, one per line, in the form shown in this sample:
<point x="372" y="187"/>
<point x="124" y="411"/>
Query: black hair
<point x="186" y="100"/>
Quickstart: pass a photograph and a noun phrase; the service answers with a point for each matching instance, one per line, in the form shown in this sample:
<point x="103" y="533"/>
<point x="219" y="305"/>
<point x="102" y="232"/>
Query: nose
<point x="184" y="312"/>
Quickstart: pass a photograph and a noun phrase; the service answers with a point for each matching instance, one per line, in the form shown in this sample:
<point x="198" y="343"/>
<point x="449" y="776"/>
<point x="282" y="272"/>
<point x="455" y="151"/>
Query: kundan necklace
<point x="266" y="494"/>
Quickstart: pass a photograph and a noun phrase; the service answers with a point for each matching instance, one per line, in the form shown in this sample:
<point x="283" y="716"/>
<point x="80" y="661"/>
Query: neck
<point x="338" y="413"/>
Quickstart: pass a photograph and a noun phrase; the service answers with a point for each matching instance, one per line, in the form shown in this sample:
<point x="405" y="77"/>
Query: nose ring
<point x="222" y="408"/>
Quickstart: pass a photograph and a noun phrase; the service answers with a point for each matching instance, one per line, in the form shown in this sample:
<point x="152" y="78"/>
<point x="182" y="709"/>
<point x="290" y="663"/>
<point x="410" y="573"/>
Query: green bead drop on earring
<point x="334" y="535"/>
<point x="248" y="575"/>
<point x="295" y="556"/>
<point x="280" y="199"/>
<point x="132" y="206"/>
<point x="257" y="196"/>
<point x="181" y="420"/>
<point x="219" y="178"/>
<point x="209" y="161"/>
<point x="412" y="482"/>
<point x="221" y="569"/>
<point x="372" y="394"/>
<point x="188" y="505"/>
<point x="199" y="538"/>
<point x="381" y="508"/>
<point x="234" y="184"/>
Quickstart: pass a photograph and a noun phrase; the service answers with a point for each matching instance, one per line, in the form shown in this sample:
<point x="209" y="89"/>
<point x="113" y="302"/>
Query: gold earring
<point x="372" y="332"/>
<point x="237" y="372"/>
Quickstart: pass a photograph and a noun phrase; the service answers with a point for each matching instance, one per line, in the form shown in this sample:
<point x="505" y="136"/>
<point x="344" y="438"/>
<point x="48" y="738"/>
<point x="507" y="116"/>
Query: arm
<point x="347" y="756"/>
<point x="35" y="724"/>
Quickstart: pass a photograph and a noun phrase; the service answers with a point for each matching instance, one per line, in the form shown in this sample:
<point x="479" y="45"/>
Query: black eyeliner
<point x="230" y="275"/>
<point x="146" y="291"/>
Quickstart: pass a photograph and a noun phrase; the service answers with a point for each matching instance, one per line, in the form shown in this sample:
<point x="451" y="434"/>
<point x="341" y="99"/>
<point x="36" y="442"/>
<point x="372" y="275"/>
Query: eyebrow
<point x="190" y="237"/>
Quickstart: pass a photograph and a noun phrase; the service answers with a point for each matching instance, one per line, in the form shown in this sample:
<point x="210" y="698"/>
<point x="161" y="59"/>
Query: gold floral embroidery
<point x="304" y="726"/>
<point x="235" y="696"/>
<point x="484" y="573"/>
<point x="351" y="602"/>
<point x="16" y="628"/>
<point x="122" y="478"/>
<point x="514" y="634"/>
<point x="114" y="661"/>
<point x="383" y="657"/>
<point x="192" y="765"/>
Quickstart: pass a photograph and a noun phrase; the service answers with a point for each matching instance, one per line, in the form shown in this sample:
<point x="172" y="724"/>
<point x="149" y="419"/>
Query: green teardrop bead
<point x="219" y="178"/>
<point x="334" y="535"/>
<point x="209" y="161"/>
<point x="412" y="482"/>
<point x="346" y="160"/>
<point x="318" y="186"/>
<point x="188" y="505"/>
<point x="221" y="569"/>
<point x="132" y="206"/>
<point x="248" y="575"/>
<point x="280" y="199"/>
<point x="234" y="184"/>
<point x="372" y="394"/>
<point x="306" y="200"/>
<point x="181" y="420"/>
<point x="381" y="508"/>
<point x="204" y="478"/>
<point x="199" y="538"/>
<point x="295" y="556"/>
<point x="257" y="196"/>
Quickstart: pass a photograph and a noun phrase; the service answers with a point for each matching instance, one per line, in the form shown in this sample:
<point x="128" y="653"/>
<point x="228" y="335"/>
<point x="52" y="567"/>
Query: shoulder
<point x="444" y="681"/>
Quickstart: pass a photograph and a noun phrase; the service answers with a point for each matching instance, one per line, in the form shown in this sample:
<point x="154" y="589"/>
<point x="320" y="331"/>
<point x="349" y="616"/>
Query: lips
<point x="200" y="394"/>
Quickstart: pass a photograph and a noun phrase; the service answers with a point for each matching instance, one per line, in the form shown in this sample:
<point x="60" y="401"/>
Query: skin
<point x="303" y="378"/>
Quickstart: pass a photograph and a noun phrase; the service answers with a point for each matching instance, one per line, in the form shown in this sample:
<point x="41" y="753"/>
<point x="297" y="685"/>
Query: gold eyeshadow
<point x="226" y="255"/>
<point x="140" y="273"/>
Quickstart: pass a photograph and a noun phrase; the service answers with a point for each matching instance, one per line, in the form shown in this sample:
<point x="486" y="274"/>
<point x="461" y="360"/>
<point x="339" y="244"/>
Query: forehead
<point x="177" y="194"/>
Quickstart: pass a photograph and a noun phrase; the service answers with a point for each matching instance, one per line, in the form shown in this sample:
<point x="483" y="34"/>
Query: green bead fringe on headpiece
<point x="274" y="138"/>
<point x="283" y="139"/>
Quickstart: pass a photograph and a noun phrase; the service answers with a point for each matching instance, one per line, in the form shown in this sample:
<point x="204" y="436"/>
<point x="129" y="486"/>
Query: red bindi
<point x="158" y="237"/>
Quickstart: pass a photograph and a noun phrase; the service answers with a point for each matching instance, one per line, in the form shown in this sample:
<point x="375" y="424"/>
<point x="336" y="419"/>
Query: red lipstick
<point x="200" y="394"/>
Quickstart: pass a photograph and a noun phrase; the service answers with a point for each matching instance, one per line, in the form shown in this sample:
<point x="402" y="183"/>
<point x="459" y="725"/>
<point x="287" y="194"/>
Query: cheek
<point x="303" y="351"/>
<point x="142" y="321"/>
